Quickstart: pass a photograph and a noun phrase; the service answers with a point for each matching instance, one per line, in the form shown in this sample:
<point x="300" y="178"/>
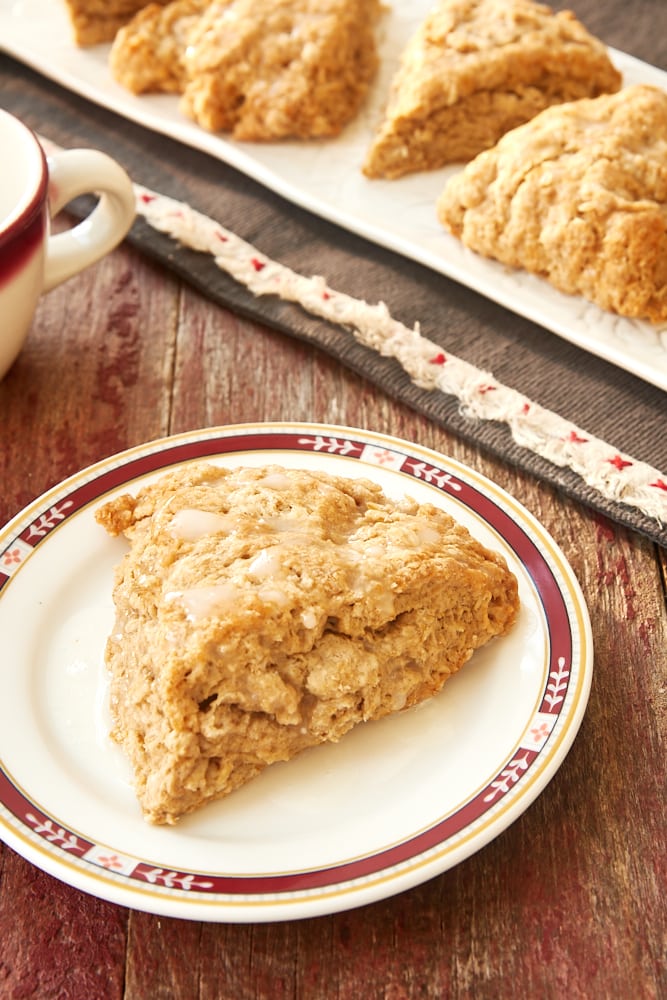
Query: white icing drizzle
<point x="221" y="599"/>
<point x="266" y="564"/>
<point x="189" y="524"/>
<point x="206" y="602"/>
<point x="275" y="481"/>
<point x="309" y="618"/>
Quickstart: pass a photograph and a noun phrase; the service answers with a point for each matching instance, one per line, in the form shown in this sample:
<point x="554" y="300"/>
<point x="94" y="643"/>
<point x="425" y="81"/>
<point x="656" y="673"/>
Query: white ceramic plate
<point x="325" y="177"/>
<point x="393" y="804"/>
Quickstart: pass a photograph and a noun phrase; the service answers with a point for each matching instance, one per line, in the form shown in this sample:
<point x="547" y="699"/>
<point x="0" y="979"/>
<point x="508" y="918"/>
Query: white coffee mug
<point x="33" y="189"/>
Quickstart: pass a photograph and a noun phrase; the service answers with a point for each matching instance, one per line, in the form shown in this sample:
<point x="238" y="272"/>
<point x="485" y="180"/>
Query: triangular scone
<point x="261" y="611"/>
<point x="474" y="70"/>
<point x="578" y="196"/>
<point x="95" y="21"/>
<point x="274" y="69"/>
<point x="259" y="69"/>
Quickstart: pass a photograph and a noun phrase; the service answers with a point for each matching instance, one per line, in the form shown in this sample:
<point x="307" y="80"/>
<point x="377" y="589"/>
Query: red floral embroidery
<point x="659" y="484"/>
<point x="221" y="236"/>
<point x="619" y="463"/>
<point x="147" y="198"/>
<point x="259" y="265"/>
<point x="439" y="359"/>
<point x="576" y="438"/>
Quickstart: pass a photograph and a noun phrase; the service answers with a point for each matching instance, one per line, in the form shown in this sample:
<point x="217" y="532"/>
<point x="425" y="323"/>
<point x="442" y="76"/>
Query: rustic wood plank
<point x="164" y="957"/>
<point x="89" y="381"/>
<point x="57" y="942"/>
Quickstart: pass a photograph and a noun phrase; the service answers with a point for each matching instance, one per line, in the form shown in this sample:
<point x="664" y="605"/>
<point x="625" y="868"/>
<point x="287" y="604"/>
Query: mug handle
<point x="74" y="172"/>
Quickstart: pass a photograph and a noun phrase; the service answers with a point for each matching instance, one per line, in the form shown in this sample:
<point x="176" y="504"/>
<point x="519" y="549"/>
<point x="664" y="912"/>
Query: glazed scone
<point x="578" y="196"/>
<point x="96" y="21"/>
<point x="147" y="54"/>
<point x="261" y="611"/>
<point x="275" y="69"/>
<point x="476" y="69"/>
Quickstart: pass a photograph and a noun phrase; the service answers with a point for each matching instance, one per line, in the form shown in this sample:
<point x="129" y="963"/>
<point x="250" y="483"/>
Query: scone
<point x="578" y="196"/>
<point x="289" y="69"/>
<point x="258" y="69"/>
<point x="261" y="611"/>
<point x="476" y="69"/>
<point x="147" y="55"/>
<point x="96" y="21"/>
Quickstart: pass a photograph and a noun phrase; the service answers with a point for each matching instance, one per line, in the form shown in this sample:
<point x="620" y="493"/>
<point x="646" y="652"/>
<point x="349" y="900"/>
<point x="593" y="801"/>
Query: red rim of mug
<point x="32" y="208"/>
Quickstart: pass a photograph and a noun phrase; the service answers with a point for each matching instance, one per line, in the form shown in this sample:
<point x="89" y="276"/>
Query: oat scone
<point x="97" y="21"/>
<point x="578" y="196"/>
<point x="263" y="611"/>
<point x="259" y="69"/>
<point x="274" y="69"/>
<point x="476" y="69"/>
<point x="147" y="54"/>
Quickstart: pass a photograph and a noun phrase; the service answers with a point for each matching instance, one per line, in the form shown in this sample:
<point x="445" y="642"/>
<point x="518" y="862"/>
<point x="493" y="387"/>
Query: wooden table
<point x="568" y="902"/>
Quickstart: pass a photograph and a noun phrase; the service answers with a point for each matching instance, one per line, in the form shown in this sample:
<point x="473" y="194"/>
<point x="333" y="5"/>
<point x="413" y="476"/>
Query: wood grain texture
<point x="569" y="901"/>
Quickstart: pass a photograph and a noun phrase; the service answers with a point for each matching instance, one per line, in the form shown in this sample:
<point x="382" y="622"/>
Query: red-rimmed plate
<point x="392" y="805"/>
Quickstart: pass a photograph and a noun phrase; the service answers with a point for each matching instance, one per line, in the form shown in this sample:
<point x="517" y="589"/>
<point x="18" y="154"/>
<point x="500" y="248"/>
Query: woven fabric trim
<point x="615" y="475"/>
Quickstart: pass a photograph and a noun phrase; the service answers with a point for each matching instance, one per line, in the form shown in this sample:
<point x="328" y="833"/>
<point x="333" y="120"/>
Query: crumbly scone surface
<point x="263" y="611"/>
<point x="577" y="196"/>
<point x="96" y="21"/>
<point x="148" y="53"/>
<point x="474" y="70"/>
<point x="258" y="69"/>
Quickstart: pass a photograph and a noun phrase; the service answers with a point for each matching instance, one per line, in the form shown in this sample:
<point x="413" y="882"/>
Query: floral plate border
<point x="98" y="868"/>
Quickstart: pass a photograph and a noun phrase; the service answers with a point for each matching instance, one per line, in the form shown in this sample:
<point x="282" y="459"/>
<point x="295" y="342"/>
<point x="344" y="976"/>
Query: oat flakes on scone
<point x="262" y="611"/>
<point x="476" y="69"/>
<point x="96" y="21"/>
<point x="578" y="196"/>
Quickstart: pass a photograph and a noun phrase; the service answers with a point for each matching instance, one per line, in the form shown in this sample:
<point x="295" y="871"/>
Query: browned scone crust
<point x="258" y="69"/>
<point x="579" y="197"/>
<point x="264" y="611"/>
<point x="96" y="21"/>
<point x="476" y="69"/>
<point x="290" y="69"/>
<point x="148" y="53"/>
